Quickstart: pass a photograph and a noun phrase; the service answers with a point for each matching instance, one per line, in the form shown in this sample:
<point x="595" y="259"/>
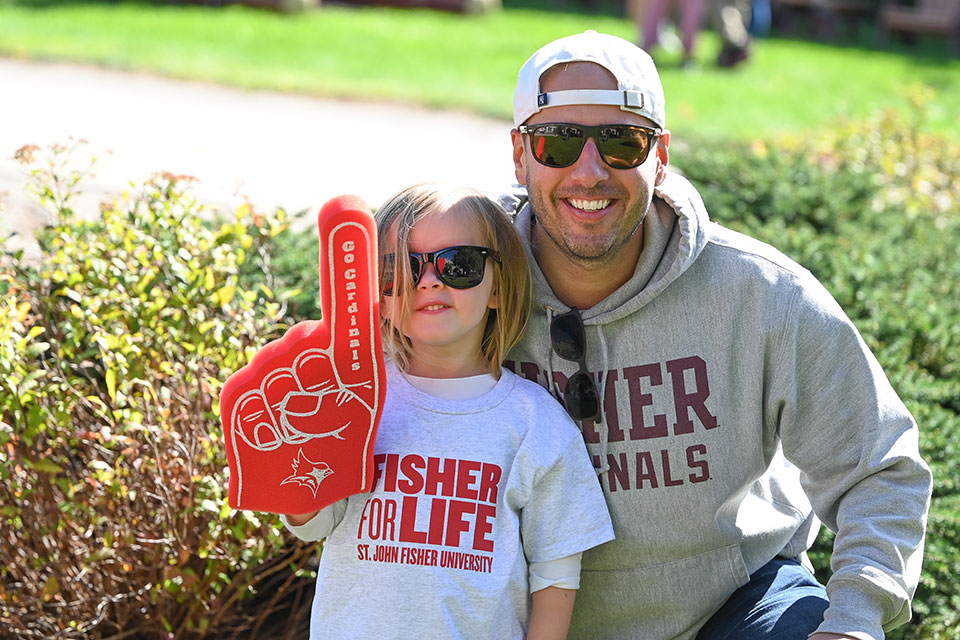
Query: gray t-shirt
<point x="467" y="493"/>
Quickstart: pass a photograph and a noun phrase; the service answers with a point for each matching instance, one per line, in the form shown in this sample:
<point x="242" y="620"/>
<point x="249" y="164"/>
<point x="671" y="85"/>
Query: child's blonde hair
<point x="506" y="323"/>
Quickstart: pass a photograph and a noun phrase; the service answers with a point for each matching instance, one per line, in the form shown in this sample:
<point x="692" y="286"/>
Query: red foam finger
<point x="349" y="285"/>
<point x="300" y="419"/>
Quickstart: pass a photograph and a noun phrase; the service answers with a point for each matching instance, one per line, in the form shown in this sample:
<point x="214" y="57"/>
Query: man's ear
<point x="663" y="155"/>
<point x="519" y="160"/>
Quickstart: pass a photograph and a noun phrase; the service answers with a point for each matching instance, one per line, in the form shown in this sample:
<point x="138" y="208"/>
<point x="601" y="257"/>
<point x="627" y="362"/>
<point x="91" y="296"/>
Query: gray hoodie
<point x="738" y="401"/>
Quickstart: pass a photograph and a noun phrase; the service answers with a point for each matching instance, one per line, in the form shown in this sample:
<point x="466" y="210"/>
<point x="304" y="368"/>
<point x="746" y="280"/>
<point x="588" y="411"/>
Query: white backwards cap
<point x="638" y="84"/>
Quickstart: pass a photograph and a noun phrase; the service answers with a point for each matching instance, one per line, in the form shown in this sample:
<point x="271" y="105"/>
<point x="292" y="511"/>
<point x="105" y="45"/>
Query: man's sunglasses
<point x="569" y="341"/>
<point x="459" y="267"/>
<point x="622" y="146"/>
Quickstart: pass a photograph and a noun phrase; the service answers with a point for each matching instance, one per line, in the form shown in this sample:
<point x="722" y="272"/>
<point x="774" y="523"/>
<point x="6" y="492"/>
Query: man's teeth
<point x="589" y="205"/>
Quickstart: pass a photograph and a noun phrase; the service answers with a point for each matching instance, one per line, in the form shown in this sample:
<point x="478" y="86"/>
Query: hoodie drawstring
<point x="601" y="423"/>
<point x="552" y="385"/>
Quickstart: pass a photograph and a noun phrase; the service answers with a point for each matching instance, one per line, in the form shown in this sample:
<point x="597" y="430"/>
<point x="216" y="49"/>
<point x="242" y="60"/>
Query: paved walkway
<point x="276" y="149"/>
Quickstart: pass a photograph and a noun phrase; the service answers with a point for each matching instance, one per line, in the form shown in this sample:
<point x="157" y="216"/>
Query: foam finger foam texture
<point x="300" y="420"/>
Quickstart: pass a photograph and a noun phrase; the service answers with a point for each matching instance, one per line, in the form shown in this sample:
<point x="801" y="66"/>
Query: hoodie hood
<point x="674" y="235"/>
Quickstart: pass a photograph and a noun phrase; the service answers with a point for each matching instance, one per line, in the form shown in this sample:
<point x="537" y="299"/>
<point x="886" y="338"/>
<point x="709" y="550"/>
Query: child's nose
<point x="429" y="279"/>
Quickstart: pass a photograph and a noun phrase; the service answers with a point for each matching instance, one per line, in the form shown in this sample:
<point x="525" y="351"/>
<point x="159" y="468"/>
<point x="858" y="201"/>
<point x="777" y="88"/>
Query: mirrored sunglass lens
<point x="627" y="150"/>
<point x="566" y="333"/>
<point x="461" y="267"/>
<point x="415" y="266"/>
<point x="387" y="272"/>
<point x="580" y="396"/>
<point x="557" y="147"/>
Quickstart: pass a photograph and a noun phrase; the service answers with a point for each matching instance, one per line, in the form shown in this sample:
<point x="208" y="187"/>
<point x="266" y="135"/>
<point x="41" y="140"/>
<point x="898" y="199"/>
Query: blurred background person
<point x="737" y="21"/>
<point x="650" y="15"/>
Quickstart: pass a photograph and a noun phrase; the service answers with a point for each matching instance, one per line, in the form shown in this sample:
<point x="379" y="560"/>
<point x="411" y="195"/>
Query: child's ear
<point x="494" y="301"/>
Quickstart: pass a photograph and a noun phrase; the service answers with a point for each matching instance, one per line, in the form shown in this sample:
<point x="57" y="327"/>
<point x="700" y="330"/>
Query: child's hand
<point x="300" y="419"/>
<point x="302" y="519"/>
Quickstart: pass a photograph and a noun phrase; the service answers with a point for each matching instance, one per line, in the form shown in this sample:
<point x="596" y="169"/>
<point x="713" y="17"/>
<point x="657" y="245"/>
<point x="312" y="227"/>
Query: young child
<point x="483" y="492"/>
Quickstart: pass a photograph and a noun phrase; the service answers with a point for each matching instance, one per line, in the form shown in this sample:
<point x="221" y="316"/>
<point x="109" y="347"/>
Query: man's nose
<point x="590" y="169"/>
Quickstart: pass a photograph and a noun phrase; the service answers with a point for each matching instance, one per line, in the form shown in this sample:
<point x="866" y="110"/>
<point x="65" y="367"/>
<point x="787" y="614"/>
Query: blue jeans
<point x="782" y="601"/>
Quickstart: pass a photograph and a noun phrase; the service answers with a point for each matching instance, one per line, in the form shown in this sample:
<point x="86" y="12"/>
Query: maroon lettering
<point x="668" y="480"/>
<point x="694" y="463"/>
<point x="646" y="472"/>
<point x="589" y="429"/>
<point x="685" y="400"/>
<point x="639" y="400"/>
<point x="531" y="371"/>
<point x="618" y="474"/>
<point x="610" y="411"/>
<point x="528" y="370"/>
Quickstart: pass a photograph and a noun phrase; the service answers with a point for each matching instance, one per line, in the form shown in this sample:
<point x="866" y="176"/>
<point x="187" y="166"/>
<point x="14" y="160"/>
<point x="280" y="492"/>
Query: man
<point x="723" y="394"/>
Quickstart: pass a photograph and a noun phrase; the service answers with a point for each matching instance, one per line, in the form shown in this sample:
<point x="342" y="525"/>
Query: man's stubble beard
<point x="578" y="255"/>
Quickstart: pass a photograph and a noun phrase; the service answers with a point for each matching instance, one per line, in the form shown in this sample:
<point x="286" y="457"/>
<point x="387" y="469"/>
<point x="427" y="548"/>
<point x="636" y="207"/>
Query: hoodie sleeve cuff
<point x="321" y="525"/>
<point x="852" y="613"/>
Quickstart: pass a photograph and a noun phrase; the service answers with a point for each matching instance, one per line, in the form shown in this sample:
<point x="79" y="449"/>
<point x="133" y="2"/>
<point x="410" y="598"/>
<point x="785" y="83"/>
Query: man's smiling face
<point x="589" y="211"/>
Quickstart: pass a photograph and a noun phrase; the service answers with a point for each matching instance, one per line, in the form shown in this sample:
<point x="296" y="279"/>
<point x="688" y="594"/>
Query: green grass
<point x="470" y="62"/>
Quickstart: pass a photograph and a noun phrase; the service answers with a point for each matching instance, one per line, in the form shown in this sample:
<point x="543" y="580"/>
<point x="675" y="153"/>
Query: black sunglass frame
<point x="600" y="134"/>
<point x="580" y="393"/>
<point x="430" y="257"/>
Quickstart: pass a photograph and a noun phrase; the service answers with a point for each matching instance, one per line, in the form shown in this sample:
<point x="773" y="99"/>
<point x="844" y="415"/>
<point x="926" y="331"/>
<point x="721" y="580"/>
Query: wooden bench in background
<point x="925" y="17"/>
<point x="294" y="6"/>
<point x="824" y="16"/>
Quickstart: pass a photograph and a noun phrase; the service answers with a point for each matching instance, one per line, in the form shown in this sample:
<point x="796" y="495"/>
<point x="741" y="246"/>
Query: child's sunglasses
<point x="459" y="267"/>
<point x="569" y="340"/>
<point x="622" y="146"/>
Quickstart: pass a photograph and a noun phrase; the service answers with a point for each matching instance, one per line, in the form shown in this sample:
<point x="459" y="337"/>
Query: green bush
<point x="112" y="466"/>
<point x="291" y="261"/>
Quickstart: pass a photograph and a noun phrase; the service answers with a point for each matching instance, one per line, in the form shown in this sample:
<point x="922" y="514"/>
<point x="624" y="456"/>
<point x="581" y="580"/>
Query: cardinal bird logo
<point x="308" y="473"/>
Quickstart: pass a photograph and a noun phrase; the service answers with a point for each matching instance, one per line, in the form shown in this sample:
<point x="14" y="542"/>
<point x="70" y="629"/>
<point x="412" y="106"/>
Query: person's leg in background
<point x="733" y="19"/>
<point x="782" y="601"/>
<point x="690" y="20"/>
<point x="648" y="14"/>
